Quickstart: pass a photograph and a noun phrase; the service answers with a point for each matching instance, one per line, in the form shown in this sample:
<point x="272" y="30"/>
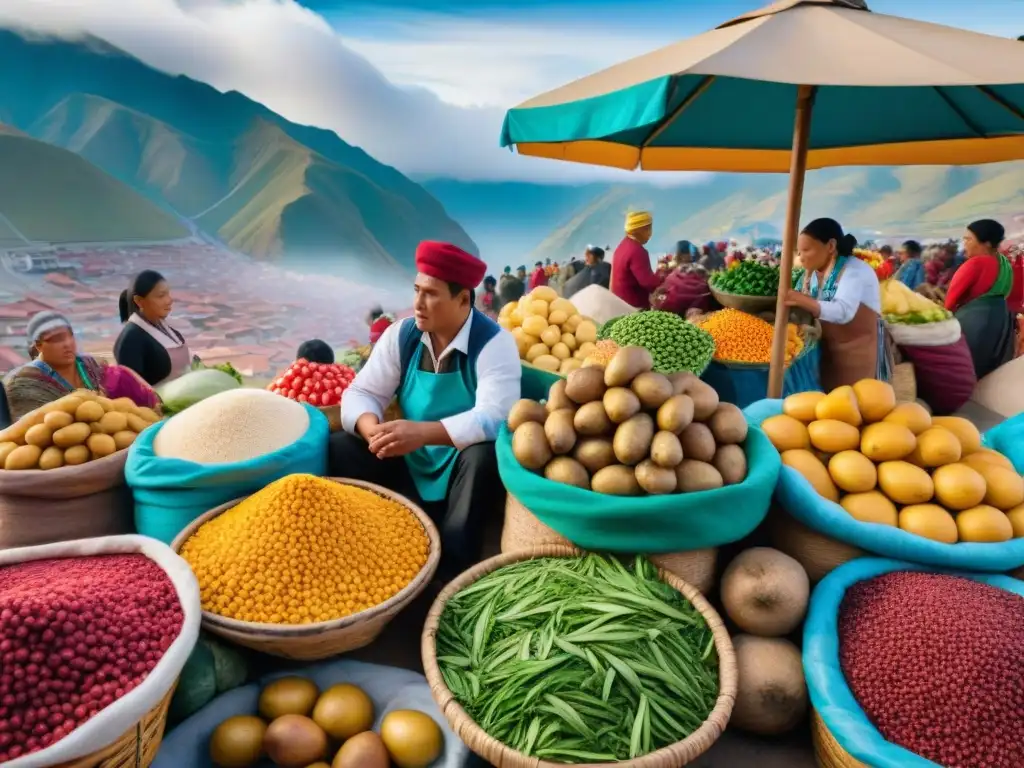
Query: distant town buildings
<point x="228" y="307"/>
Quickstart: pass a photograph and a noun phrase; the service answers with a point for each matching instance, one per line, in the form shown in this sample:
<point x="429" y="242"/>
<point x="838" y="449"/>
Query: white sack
<point x="109" y="724"/>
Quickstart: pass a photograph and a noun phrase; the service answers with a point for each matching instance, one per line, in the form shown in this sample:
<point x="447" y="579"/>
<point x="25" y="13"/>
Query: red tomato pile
<point x="314" y="383"/>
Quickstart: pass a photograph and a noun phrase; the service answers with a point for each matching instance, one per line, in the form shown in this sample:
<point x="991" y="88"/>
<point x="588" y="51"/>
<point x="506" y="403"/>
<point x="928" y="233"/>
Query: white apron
<point x="177" y="349"/>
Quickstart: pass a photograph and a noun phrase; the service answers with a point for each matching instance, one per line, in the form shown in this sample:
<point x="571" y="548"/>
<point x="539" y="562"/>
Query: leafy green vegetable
<point x="228" y="368"/>
<point x="579" y="659"/>
<point x="675" y="344"/>
<point x="187" y="390"/>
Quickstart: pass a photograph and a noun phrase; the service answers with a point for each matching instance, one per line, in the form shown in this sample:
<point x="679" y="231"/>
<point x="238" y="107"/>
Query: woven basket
<point x="827" y="751"/>
<point x="523" y="531"/>
<point x="750" y="304"/>
<point x="496" y="753"/>
<point x="136" y="748"/>
<point x="311" y="642"/>
<point x="904" y="382"/>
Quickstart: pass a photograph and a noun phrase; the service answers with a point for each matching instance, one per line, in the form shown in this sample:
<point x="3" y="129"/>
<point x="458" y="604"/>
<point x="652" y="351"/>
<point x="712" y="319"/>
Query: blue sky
<point x="495" y="52"/>
<point x="423" y="85"/>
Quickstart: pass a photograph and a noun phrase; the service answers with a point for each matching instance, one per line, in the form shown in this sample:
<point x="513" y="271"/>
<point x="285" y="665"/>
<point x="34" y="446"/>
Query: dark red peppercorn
<point x="68" y="621"/>
<point x="934" y="662"/>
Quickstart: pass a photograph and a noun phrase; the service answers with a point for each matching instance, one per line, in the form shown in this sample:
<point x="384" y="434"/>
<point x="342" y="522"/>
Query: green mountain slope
<point x="51" y="195"/>
<point x="920" y="202"/>
<point x="261" y="183"/>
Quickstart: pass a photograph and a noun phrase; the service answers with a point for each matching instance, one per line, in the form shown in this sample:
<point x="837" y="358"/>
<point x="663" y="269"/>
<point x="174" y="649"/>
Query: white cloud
<point x="290" y="59"/>
<point x="474" y="63"/>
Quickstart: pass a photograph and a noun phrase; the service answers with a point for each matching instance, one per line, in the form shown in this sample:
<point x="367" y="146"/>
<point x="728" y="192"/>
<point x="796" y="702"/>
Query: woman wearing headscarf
<point x="632" y="278"/>
<point x="977" y="296"/>
<point x="56" y="368"/>
<point x="841" y="291"/>
<point x="147" y="344"/>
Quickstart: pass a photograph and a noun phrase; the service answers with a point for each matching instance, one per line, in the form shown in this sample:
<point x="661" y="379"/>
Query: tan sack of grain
<point x="232" y="426"/>
<point x="1001" y="391"/>
<point x="600" y="304"/>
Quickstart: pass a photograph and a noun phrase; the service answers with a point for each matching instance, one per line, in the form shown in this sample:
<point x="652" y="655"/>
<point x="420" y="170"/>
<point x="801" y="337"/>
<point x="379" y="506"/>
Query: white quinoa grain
<point x="236" y="425"/>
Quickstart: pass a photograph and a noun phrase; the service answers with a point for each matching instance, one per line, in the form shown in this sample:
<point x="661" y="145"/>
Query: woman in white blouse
<point x="147" y="344"/>
<point x="842" y="292"/>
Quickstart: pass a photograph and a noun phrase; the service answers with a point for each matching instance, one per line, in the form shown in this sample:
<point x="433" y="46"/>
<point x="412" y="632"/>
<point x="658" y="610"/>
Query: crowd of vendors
<point x="603" y="416"/>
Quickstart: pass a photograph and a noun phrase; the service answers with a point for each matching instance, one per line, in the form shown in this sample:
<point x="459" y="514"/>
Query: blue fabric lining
<point x="830" y="695"/>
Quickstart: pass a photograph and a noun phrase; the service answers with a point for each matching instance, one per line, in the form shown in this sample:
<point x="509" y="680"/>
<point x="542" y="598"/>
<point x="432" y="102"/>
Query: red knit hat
<point x="450" y="263"/>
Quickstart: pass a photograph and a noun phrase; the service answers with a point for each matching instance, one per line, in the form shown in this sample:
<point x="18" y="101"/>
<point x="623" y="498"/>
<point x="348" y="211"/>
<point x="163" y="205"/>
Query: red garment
<point x="633" y="280"/>
<point x="886" y="270"/>
<point x="974" y="278"/>
<point x="449" y="263"/>
<point x="377" y="329"/>
<point x="1015" y="301"/>
<point x="539" y="277"/>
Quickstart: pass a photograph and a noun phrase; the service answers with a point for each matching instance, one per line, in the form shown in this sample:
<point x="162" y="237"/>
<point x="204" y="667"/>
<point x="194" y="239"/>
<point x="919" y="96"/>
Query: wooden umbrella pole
<point x="797" y="171"/>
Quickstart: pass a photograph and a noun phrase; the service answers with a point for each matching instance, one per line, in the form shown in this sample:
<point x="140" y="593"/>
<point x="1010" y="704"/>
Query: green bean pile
<point x="579" y="659"/>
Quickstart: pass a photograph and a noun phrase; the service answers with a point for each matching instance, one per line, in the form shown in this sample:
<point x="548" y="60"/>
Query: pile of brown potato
<point x="73" y="430"/>
<point x="625" y="430"/>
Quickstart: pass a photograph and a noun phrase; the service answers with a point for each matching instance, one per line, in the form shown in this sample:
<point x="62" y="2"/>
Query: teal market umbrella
<point x="797" y="85"/>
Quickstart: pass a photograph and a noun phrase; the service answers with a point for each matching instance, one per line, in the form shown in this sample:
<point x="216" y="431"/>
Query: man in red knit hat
<point x="456" y="375"/>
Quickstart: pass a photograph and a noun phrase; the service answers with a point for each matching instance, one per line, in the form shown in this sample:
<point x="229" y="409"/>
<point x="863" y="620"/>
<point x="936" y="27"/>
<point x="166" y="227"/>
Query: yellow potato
<point x="75" y="455"/>
<point x="52" y="458"/>
<point x="5" y="451"/>
<point x="552" y="335"/>
<point x="586" y="331"/>
<point x="113" y="422"/>
<point x="537" y="350"/>
<point x="23" y="457"/>
<point x="137" y="423"/>
<point x="557" y="317"/>
<point x="58" y="420"/>
<point x="100" y="445"/>
<point x="148" y="414"/>
<point x="570" y="325"/>
<point x="570" y="341"/>
<point x="40" y="435"/>
<point x="124" y="439"/>
<point x="76" y="434"/>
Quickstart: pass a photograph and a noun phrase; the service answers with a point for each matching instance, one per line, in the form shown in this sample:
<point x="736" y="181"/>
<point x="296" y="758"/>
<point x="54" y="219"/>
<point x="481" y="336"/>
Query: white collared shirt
<point x="498" y="373"/>
<point x="857" y="285"/>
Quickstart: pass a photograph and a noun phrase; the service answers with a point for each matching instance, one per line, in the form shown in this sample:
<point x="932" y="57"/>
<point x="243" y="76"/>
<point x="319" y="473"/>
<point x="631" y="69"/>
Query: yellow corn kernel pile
<point x="603" y="353"/>
<point x="743" y="338"/>
<point x="305" y="550"/>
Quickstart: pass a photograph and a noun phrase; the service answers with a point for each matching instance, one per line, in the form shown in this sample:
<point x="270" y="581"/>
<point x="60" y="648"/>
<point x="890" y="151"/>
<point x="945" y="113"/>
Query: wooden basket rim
<point x="742" y="296"/>
<point x="689" y="748"/>
<point x="290" y="631"/>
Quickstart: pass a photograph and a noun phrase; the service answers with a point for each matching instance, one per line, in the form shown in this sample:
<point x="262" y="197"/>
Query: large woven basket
<point x="750" y="304"/>
<point x="524" y="531"/>
<point x="310" y="642"/>
<point x="136" y="748"/>
<point x="496" y="753"/>
<point x="827" y="751"/>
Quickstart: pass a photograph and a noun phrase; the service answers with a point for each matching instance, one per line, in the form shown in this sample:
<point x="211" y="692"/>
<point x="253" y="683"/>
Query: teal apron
<point x="428" y="396"/>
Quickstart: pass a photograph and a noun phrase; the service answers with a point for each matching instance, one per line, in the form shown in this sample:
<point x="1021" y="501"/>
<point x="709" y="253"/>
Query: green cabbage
<point x="187" y="390"/>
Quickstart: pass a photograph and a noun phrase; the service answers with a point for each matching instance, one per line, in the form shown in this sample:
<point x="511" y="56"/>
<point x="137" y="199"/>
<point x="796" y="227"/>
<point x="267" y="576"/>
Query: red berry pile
<point x="314" y="383"/>
<point x="76" y="634"/>
<point x="934" y="662"/>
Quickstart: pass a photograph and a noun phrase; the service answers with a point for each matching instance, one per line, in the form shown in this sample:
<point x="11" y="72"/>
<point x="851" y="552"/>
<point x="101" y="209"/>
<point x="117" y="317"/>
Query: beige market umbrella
<point x="798" y="84"/>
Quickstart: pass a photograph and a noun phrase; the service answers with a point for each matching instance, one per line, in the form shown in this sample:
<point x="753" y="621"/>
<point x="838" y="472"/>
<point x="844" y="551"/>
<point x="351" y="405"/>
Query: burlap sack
<point x="817" y="553"/>
<point x="41" y="507"/>
<point x="522" y="531"/>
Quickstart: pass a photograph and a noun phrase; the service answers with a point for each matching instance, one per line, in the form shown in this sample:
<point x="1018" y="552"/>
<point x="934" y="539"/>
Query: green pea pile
<point x="605" y="331"/>
<point x="748" y="278"/>
<point x="675" y="344"/>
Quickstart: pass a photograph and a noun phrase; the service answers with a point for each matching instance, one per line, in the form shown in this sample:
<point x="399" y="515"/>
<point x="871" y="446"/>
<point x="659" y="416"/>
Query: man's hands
<point x="395" y="438"/>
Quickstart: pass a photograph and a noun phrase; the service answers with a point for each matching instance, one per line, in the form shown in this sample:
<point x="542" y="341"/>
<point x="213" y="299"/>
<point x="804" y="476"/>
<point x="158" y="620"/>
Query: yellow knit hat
<point x="637" y="220"/>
